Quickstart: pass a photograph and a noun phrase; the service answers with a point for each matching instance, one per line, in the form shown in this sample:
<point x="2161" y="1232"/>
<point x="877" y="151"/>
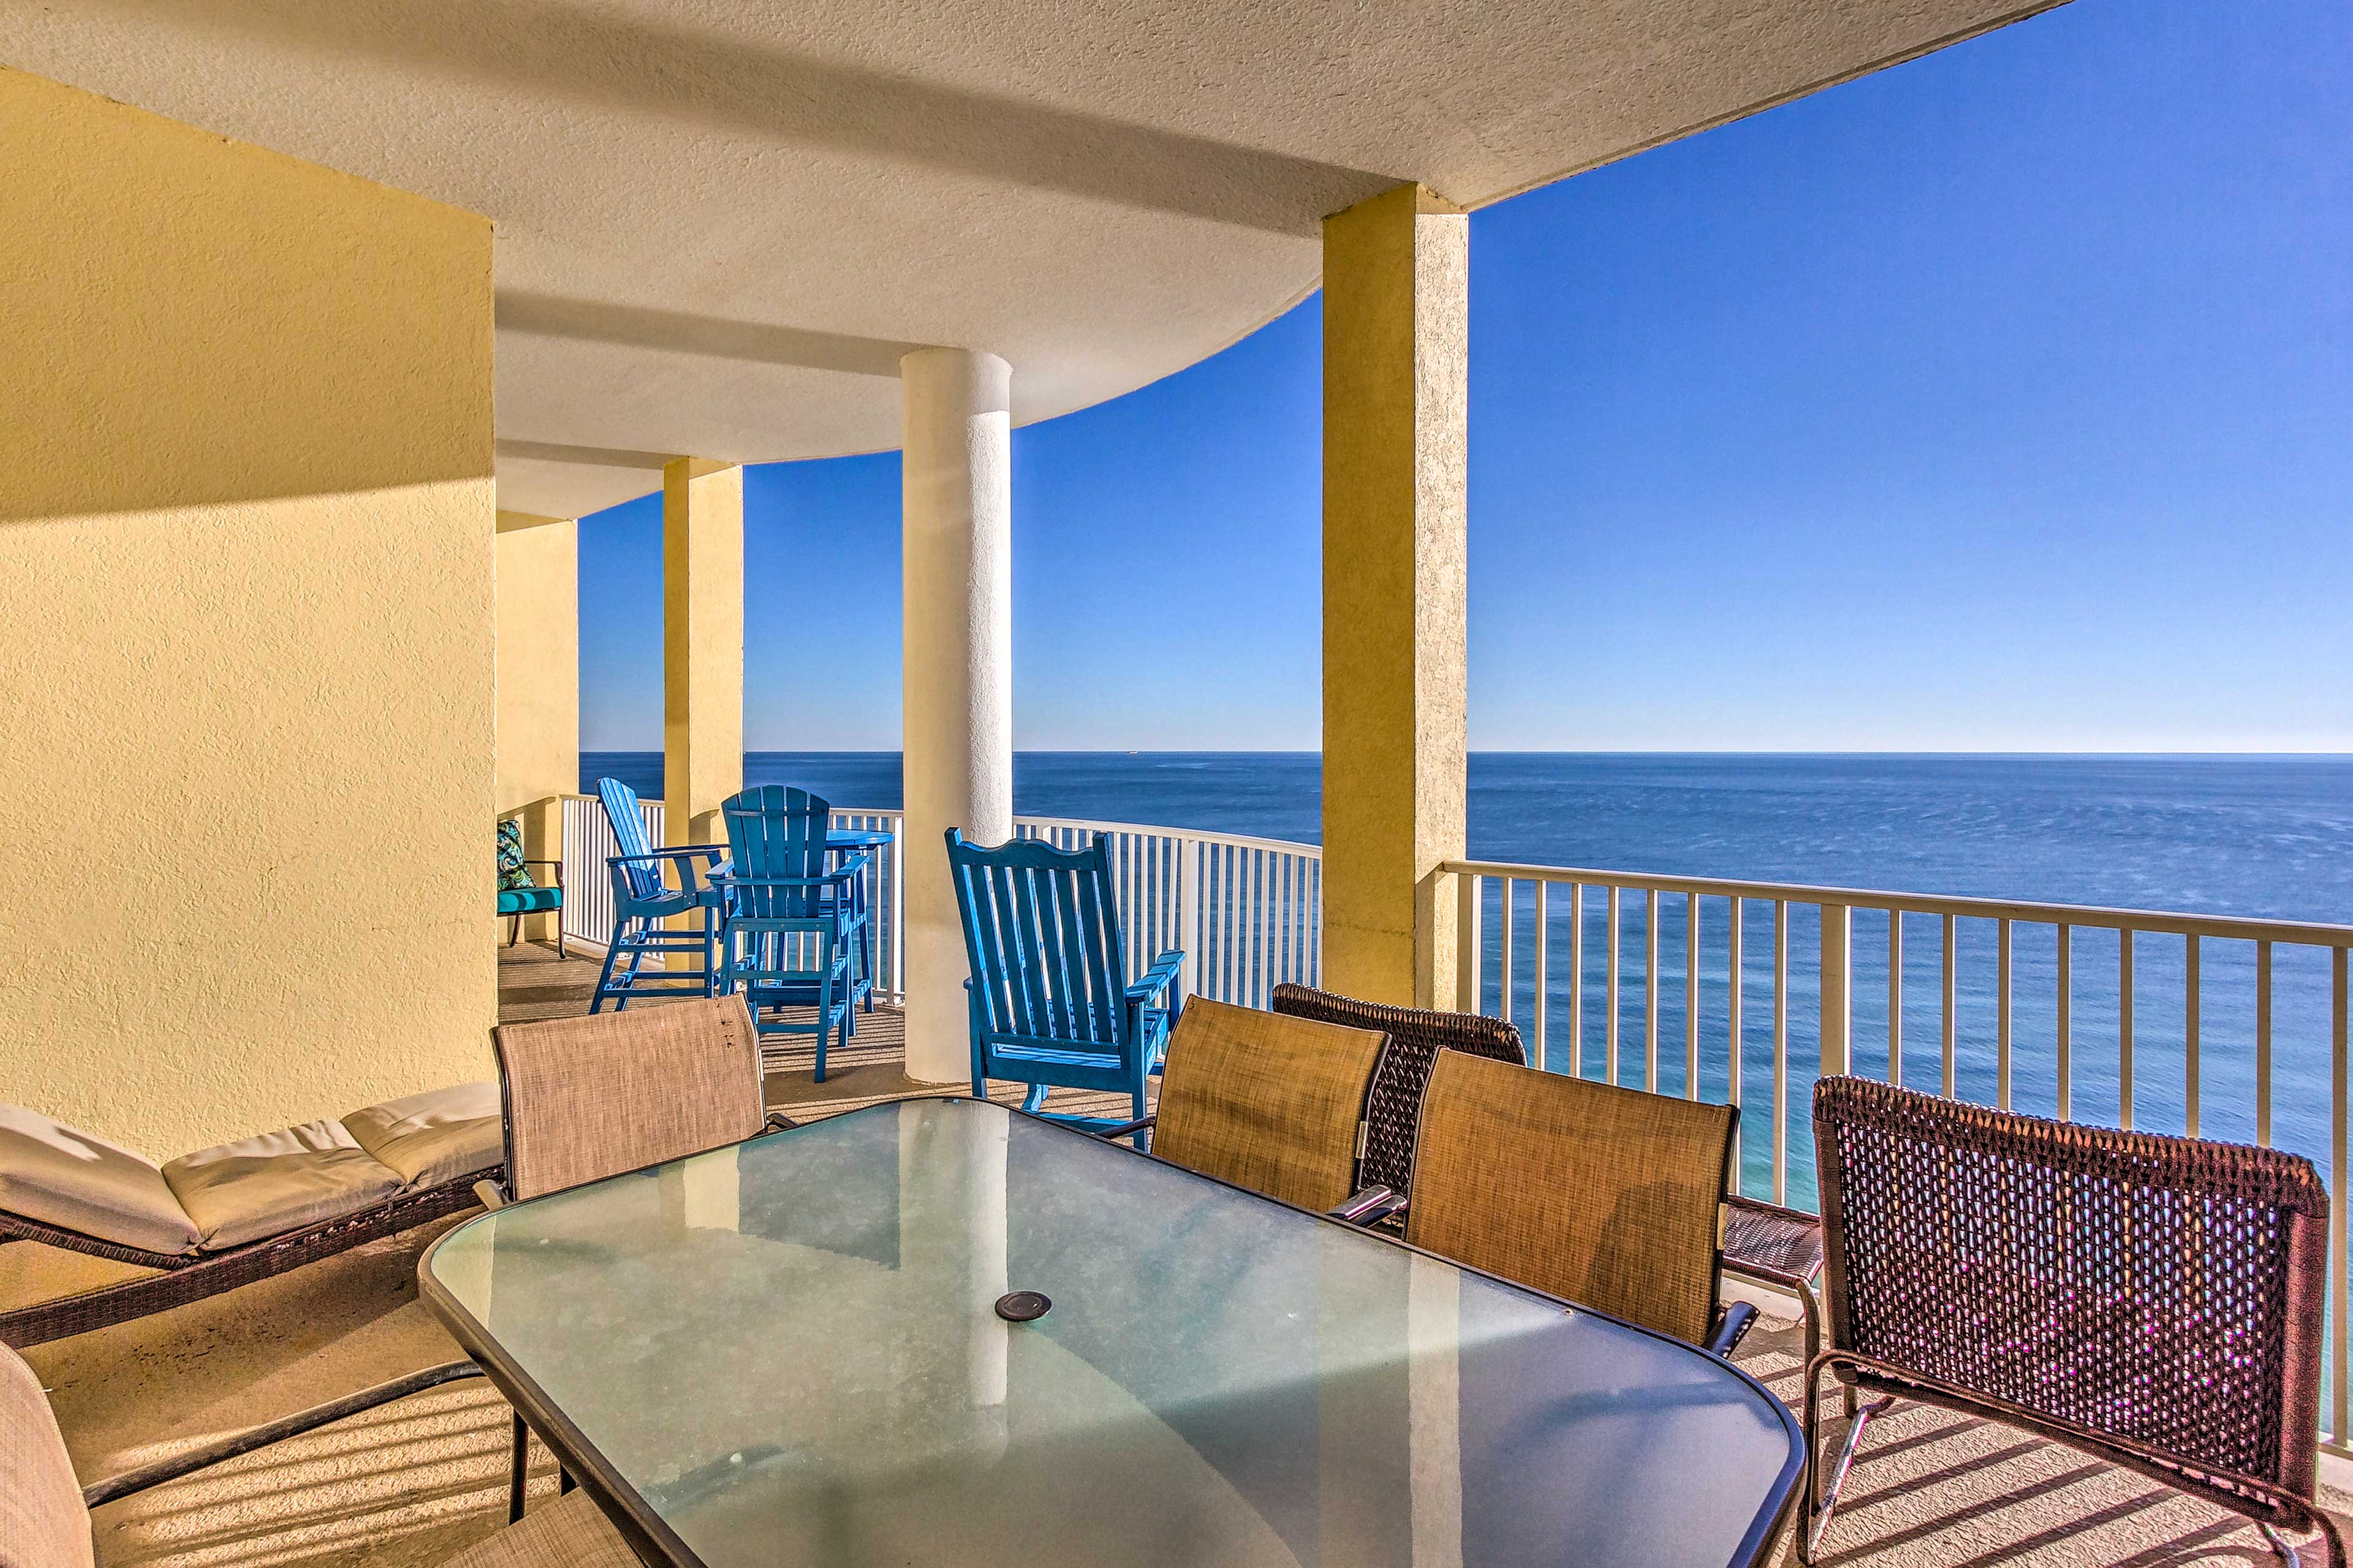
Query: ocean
<point x="2250" y="835"/>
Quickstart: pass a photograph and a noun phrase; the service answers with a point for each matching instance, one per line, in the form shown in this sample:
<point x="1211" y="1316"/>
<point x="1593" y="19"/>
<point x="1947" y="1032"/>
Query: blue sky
<point x="1999" y="401"/>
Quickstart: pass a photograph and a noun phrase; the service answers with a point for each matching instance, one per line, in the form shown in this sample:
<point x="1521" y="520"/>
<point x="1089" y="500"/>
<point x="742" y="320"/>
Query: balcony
<point x="296" y="571"/>
<point x="1613" y="958"/>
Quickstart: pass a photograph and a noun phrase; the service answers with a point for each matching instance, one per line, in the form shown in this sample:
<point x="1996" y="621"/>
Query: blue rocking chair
<point x="643" y="898"/>
<point x="792" y="918"/>
<point x="1049" y="1007"/>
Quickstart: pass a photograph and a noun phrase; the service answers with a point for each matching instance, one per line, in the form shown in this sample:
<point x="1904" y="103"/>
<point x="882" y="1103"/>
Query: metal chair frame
<point x="644" y="897"/>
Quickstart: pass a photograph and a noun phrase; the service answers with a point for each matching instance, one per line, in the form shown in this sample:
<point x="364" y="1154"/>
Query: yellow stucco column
<point x="1396" y="423"/>
<point x="539" y="685"/>
<point x="703" y="645"/>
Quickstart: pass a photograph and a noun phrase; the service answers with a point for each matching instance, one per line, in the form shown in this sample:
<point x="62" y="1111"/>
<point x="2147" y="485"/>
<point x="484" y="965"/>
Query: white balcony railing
<point x="2211" y="1026"/>
<point x="1246" y="911"/>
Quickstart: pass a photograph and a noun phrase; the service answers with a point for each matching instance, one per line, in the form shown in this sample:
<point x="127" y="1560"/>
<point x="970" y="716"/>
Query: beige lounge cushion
<point x="435" y="1137"/>
<point x="279" y="1181"/>
<point x="42" y="1522"/>
<point x="65" y="1177"/>
<point x="568" y="1533"/>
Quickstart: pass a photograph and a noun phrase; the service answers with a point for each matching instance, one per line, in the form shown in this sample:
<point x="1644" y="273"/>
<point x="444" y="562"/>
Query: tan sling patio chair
<point x="1610" y="1198"/>
<point x="606" y="1093"/>
<point x="1273" y="1104"/>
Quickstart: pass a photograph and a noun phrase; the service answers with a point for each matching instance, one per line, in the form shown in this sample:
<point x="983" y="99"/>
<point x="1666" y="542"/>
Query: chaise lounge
<point x="229" y="1216"/>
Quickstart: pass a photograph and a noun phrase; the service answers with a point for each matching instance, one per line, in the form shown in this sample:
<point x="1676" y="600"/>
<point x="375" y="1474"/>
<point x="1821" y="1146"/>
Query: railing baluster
<point x="1691" y="995"/>
<point x="1245" y="924"/>
<point x="1262" y="928"/>
<point x="1189" y="905"/>
<point x="1576" y="979"/>
<point x="2338" y="1185"/>
<point x="1503" y="952"/>
<point x="2189" y="1036"/>
<point x="1780" y="1051"/>
<point x="1305" y="972"/>
<point x="2066" y="1020"/>
<point x="1837" y="988"/>
<point x="1294" y="905"/>
<point x="1466" y="943"/>
<point x="1610" y="1061"/>
<point x="2124" y="1030"/>
<point x="898" y="904"/>
<point x="1278" y="872"/>
<point x="1237" y="924"/>
<point x="1895" y="997"/>
<point x="1650" y="993"/>
<point x="2264" y="1052"/>
<point x="1952" y="968"/>
<point x="1543" y="941"/>
<point x="1732" y="979"/>
<point x="1229" y="921"/>
<point x="2001" y="1001"/>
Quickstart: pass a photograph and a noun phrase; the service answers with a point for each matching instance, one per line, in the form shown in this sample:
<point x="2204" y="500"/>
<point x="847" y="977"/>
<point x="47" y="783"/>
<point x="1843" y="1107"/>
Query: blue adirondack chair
<point x="792" y="916"/>
<point x="1050" y="1007"/>
<point x="644" y="897"/>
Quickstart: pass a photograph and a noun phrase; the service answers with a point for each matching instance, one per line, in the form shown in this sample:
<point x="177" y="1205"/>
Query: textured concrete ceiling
<point x="719" y="222"/>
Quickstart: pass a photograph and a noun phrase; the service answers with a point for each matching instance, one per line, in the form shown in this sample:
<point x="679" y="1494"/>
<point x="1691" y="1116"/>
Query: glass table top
<point x="788" y="1352"/>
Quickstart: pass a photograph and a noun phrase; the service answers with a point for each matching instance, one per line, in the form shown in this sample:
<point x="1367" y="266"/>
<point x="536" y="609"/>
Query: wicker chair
<point x="1607" y="1197"/>
<point x="1273" y="1104"/>
<point x="45" y="1510"/>
<point x="1416" y="1037"/>
<point x="2155" y="1303"/>
<point x="605" y="1093"/>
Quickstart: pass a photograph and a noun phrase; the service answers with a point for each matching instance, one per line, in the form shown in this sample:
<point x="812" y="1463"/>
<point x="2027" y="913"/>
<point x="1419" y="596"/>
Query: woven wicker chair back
<point x="1416" y="1037"/>
<point x="591" y="1097"/>
<point x="1607" y="1197"/>
<point x="1270" y="1103"/>
<point x="2166" y="1292"/>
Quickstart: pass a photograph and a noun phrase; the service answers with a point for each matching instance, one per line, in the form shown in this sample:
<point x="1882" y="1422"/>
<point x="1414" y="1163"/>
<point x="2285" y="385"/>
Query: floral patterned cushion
<point x="511" y="873"/>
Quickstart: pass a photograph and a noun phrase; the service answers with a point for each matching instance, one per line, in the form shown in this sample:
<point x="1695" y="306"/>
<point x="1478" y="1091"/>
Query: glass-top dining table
<point x="823" y="1346"/>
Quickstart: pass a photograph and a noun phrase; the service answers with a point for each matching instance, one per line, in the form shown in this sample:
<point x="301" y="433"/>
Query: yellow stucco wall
<point x="538" y="686"/>
<point x="539" y="658"/>
<point x="246" y="577"/>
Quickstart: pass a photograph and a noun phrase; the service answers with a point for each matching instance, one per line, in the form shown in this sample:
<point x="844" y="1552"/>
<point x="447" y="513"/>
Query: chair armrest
<point x="493" y="1196"/>
<point x="555" y="866"/>
<point x="1371" y="1206"/>
<point x="1163" y="974"/>
<point x="733" y="880"/>
<point x="278" y="1431"/>
<point x="684" y="857"/>
<point x="1127" y="1129"/>
<point x="776" y="1121"/>
<point x="1738" y="1318"/>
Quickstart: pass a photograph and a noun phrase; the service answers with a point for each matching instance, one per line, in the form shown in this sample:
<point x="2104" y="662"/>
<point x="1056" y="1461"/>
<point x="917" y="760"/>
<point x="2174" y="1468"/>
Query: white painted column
<point x="957" y="615"/>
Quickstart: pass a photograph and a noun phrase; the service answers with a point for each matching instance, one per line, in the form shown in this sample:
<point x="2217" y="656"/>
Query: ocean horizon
<point x="2250" y="834"/>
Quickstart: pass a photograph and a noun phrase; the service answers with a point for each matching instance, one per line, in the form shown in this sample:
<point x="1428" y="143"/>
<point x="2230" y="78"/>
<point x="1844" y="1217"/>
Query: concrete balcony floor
<point x="412" y="1483"/>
